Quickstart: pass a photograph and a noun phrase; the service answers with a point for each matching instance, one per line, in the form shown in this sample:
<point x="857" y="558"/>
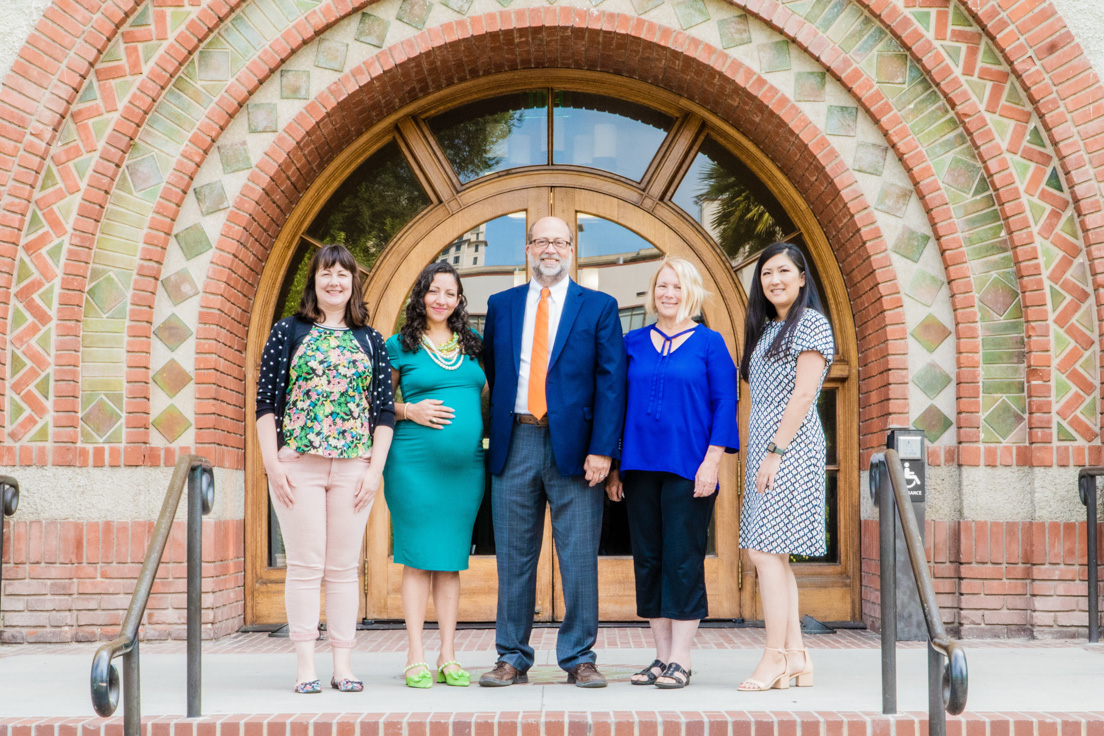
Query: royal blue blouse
<point x="679" y="403"/>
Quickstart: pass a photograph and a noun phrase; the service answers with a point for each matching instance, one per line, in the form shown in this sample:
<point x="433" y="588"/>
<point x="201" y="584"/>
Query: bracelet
<point x="404" y="411"/>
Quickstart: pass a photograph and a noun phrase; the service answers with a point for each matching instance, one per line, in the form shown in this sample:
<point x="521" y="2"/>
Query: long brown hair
<point x="416" y="320"/>
<point x="328" y="256"/>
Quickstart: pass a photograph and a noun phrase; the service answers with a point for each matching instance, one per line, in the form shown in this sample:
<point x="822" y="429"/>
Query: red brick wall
<point x="998" y="579"/>
<point x="72" y="580"/>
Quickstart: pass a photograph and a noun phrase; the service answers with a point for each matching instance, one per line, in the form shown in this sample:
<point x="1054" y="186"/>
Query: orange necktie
<point x="538" y="361"/>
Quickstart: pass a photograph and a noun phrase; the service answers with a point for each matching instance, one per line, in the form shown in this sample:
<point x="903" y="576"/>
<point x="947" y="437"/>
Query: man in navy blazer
<point x="551" y="447"/>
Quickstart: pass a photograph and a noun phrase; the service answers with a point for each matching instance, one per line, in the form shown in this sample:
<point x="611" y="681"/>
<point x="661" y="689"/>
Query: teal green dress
<point x="433" y="480"/>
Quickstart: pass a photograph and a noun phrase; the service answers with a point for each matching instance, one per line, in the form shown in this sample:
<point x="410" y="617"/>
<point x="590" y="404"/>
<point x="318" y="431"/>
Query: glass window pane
<point x="492" y="135"/>
<point x="731" y="203"/>
<point x="606" y="133"/>
<point x="826" y="407"/>
<point x="375" y="202"/>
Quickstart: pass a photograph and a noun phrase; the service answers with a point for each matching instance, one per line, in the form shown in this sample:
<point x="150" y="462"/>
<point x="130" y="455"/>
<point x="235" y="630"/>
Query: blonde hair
<point x="693" y="293"/>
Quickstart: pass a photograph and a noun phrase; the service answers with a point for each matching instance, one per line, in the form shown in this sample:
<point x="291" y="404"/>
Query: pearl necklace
<point x="448" y="356"/>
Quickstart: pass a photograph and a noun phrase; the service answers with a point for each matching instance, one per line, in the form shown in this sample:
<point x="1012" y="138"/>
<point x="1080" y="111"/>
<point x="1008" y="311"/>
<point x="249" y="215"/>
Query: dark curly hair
<point x="411" y="332"/>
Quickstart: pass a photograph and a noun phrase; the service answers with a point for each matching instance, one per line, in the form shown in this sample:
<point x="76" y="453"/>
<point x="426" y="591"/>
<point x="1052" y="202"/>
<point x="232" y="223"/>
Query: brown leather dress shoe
<point x="586" y="675"/>
<point x="502" y="675"/>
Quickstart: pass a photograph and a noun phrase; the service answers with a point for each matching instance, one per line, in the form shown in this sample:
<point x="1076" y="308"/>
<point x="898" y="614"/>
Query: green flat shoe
<point x="459" y="678"/>
<point x="423" y="679"/>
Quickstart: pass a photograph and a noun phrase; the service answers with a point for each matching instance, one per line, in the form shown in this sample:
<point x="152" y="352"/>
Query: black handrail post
<point x="9" y="502"/>
<point x="195" y="588"/>
<point x="887" y="569"/>
<point x="1087" y="483"/>
<point x="132" y="692"/>
<point x="937" y="716"/>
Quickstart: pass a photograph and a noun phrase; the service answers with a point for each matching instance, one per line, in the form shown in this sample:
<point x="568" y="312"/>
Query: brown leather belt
<point x="531" y="420"/>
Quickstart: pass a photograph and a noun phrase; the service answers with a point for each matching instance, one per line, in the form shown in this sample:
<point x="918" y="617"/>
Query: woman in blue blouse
<point x="680" y="419"/>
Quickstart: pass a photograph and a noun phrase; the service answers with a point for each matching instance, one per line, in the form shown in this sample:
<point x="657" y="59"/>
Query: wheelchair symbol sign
<point x="914" y="479"/>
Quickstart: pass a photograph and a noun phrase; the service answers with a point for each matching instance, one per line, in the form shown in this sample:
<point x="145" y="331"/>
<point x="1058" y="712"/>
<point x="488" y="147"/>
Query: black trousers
<point x="669" y="530"/>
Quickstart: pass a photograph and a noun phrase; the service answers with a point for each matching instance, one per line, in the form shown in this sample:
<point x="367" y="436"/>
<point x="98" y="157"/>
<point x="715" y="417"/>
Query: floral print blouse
<point x="328" y="396"/>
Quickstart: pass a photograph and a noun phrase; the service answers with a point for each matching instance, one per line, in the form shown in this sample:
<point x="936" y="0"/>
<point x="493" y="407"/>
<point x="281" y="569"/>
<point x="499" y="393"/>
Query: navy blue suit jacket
<point x="586" y="376"/>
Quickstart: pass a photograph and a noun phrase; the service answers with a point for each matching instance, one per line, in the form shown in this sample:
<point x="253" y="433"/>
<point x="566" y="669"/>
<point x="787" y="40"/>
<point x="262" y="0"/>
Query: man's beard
<point x="563" y="267"/>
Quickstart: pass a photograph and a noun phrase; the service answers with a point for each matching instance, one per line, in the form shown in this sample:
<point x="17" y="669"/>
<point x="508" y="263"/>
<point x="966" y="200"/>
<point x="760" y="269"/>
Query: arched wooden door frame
<point x="822" y="583"/>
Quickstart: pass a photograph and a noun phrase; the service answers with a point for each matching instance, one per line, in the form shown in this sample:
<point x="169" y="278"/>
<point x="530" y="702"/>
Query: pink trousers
<point x="322" y="540"/>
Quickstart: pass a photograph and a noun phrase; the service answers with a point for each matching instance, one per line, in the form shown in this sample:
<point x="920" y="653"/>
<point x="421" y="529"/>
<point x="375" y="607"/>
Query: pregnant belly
<point x="460" y="440"/>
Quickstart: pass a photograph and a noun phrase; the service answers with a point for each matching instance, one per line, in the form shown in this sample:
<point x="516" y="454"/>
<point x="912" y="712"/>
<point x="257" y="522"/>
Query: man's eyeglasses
<point x="542" y="243"/>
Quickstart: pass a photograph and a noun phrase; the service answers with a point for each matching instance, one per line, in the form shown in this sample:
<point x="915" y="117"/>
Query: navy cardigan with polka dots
<point x="285" y="338"/>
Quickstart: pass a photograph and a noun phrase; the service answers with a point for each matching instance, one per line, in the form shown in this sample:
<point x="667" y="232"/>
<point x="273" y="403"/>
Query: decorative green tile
<point x="101" y="417"/>
<point x="1064" y="435"/>
<point x="460" y="6"/>
<point x="180" y="286"/>
<point x="173" y="332"/>
<point x="42" y="434"/>
<point x="107" y="293"/>
<point x="211" y="198"/>
<point x="193" y="241"/>
<point x="998" y="296"/>
<point x="331" y="55"/>
<point x="234" y="157"/>
<point x="933" y="423"/>
<point x="1035" y="138"/>
<point x="930" y="333"/>
<point x="17" y="365"/>
<point x="214" y="65"/>
<point x="870" y="158"/>
<point x="372" y="30"/>
<point x="24" y="271"/>
<point x="809" y="86"/>
<point x="36" y="223"/>
<point x="690" y="13"/>
<point x="892" y="68"/>
<point x="775" y="56"/>
<point x="924" y="287"/>
<point x="643" y="6"/>
<point x="172" y="377"/>
<point x="1054" y="181"/>
<point x="414" y="12"/>
<point x="1004" y="419"/>
<point x="734" y="31"/>
<point x="171" y="423"/>
<point x="961" y="174"/>
<point x="262" y="117"/>
<point x="893" y="199"/>
<point x="931" y="379"/>
<point x="144" y="173"/>
<point x="294" y="84"/>
<point x="842" y="120"/>
<point x="43" y="386"/>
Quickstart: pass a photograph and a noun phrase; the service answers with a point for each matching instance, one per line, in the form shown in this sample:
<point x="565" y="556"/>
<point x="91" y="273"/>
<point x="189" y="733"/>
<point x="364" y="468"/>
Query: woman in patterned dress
<point x="325" y="416"/>
<point x="788" y="347"/>
<point x="434" y="480"/>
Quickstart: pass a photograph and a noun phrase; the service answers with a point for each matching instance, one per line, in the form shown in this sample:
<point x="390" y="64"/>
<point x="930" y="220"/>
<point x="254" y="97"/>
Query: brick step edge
<point x="666" y="723"/>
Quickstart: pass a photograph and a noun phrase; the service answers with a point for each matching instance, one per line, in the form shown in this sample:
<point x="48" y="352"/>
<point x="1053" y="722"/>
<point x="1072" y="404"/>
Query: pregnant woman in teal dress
<point x="434" y="477"/>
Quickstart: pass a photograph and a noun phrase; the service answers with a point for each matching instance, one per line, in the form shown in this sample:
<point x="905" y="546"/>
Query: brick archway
<point x="564" y="38"/>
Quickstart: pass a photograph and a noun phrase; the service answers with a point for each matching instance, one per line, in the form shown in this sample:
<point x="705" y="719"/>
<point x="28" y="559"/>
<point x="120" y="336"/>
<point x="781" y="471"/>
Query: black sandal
<point x="673" y="672"/>
<point x="647" y="672"/>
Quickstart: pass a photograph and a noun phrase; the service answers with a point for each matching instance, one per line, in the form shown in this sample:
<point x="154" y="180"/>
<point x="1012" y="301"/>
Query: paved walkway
<point x="253" y="673"/>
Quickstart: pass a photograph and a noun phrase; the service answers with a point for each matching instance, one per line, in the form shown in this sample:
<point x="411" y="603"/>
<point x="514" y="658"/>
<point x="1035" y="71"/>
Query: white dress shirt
<point x="555" y="309"/>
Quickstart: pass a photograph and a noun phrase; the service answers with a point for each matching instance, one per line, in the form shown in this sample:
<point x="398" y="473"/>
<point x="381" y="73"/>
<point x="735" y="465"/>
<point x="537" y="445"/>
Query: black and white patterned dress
<point x="790" y="518"/>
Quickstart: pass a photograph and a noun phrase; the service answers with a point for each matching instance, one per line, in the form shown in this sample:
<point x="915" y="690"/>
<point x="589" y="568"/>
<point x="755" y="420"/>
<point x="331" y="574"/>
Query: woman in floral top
<point x="325" y="418"/>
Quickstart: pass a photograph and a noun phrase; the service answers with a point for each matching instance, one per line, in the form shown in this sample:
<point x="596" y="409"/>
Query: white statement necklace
<point x="448" y="356"/>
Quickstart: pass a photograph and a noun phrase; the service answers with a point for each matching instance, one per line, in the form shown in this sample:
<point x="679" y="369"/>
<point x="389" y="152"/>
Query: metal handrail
<point x="9" y="503"/>
<point x="947" y="682"/>
<point x="196" y="471"/>
<point x="1086" y="486"/>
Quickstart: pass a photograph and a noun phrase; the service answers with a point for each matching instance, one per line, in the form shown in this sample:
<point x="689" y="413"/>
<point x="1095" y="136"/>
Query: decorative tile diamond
<point x="924" y="287"/>
<point x="211" y="198"/>
<point x="144" y="173"/>
<point x="998" y="296"/>
<point x="372" y="30"/>
<point x="180" y="286"/>
<point x="892" y="68"/>
<point x="930" y="333"/>
<point x="101" y="417"/>
<point x="893" y="199"/>
<point x="173" y="332"/>
<point x="870" y="158"/>
<point x="809" y="86"/>
<point x="775" y="56"/>
<point x="331" y="55"/>
<point x="931" y="379"/>
<point x="961" y="174"/>
<point x="107" y="293"/>
<point x="734" y="31"/>
<point x="294" y="84"/>
<point x="460" y="6"/>
<point x="234" y="157"/>
<point x="690" y="13"/>
<point x="414" y="12"/>
<point x="1004" y="419"/>
<point x="171" y="423"/>
<point x="643" y="6"/>
<point x="193" y="241"/>
<point x="911" y="244"/>
<point x="262" y="117"/>
<point x="842" y="120"/>
<point x="214" y="65"/>
<point x="172" y="377"/>
<point x="933" y="423"/>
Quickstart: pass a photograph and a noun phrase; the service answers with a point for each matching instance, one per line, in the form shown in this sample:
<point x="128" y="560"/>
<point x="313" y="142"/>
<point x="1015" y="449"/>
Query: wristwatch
<point x="771" y="447"/>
